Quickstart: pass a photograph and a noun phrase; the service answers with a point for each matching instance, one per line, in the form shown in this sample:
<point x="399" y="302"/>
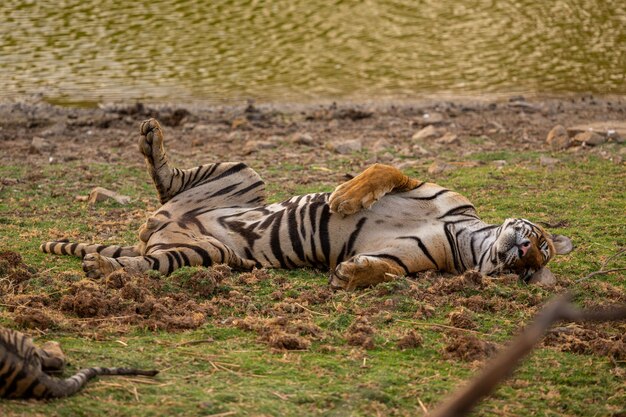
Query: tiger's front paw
<point x="355" y="195"/>
<point x="151" y="139"/>
<point x="97" y="266"/>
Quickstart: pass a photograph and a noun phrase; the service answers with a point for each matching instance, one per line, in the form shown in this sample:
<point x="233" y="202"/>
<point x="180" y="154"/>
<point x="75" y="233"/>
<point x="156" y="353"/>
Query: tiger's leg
<point x="166" y="258"/>
<point x="366" y="270"/>
<point x="368" y="187"/>
<point x="170" y="181"/>
<point x="62" y="247"/>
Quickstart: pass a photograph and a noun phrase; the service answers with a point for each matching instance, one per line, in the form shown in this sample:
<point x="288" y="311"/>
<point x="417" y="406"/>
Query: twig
<point x="310" y="311"/>
<point x="560" y="309"/>
<point x="421" y="323"/>
<point x="603" y="271"/>
<point x="422" y="406"/>
<point x="194" y="342"/>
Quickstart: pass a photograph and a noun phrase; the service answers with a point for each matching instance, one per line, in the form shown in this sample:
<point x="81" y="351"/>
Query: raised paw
<point x="151" y="138"/>
<point x="97" y="266"/>
<point x="354" y="196"/>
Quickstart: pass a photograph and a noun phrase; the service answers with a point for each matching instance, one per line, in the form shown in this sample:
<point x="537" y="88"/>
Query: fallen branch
<point x="560" y="309"/>
<point x="602" y="270"/>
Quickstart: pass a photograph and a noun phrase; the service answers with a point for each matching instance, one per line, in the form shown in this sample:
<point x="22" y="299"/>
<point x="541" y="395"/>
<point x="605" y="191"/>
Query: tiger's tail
<point x="63" y="247"/>
<point x="65" y="387"/>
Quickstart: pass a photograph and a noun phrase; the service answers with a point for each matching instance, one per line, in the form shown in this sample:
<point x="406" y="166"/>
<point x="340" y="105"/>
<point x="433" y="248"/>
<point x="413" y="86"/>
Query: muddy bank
<point x="314" y="135"/>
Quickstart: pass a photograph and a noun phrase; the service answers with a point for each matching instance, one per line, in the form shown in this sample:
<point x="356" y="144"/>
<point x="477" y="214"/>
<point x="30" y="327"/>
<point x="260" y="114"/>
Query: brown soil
<point x="109" y="134"/>
<point x="467" y="347"/>
<point x="360" y="333"/>
<point x="462" y="318"/>
<point x="410" y="340"/>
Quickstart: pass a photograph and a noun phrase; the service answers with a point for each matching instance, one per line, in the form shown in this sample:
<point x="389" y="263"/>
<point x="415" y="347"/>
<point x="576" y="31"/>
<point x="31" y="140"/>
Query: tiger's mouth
<point x="511" y="247"/>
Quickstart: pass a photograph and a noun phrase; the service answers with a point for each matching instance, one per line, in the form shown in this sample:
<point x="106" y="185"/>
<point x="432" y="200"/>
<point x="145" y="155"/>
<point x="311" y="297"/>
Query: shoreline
<point x="39" y="133"/>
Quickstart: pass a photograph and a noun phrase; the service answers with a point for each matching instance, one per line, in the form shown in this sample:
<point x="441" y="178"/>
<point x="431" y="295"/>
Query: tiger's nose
<point x="523" y="247"/>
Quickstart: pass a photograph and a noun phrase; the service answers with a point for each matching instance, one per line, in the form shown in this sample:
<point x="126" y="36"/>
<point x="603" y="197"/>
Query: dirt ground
<point x="38" y="133"/>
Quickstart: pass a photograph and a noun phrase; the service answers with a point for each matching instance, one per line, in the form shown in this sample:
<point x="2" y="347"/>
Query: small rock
<point x="255" y="145"/>
<point x="100" y="194"/>
<point x="81" y="198"/>
<point x="543" y="277"/>
<point x="438" y="167"/>
<point x="420" y="150"/>
<point x="407" y="164"/>
<point x="9" y="181"/>
<point x="431" y="118"/>
<point x="589" y="138"/>
<point x="304" y="139"/>
<point x="236" y="136"/>
<point x="40" y="145"/>
<point x="380" y="145"/>
<point x="347" y="147"/>
<point x="558" y="138"/>
<point x="546" y="161"/>
<point x="448" y="139"/>
<point x="499" y="163"/>
<point x="428" y="132"/>
<point x="199" y="128"/>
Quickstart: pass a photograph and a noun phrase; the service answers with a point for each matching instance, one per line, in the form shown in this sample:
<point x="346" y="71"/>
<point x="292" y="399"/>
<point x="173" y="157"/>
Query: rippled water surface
<point x="303" y="50"/>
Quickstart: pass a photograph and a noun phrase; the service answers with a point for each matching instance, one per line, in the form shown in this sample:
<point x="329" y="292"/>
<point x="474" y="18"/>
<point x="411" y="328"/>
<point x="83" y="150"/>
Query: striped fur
<point x="377" y="225"/>
<point x="25" y="369"/>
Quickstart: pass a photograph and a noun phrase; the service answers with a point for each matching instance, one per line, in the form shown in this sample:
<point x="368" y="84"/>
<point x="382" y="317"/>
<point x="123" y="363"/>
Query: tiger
<point x="379" y="225"/>
<point x="26" y="370"/>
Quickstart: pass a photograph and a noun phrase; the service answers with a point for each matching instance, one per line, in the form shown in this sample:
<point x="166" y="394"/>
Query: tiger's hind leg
<point x="368" y="187"/>
<point x="166" y="258"/>
<point x="366" y="270"/>
<point x="170" y="181"/>
<point x="63" y="247"/>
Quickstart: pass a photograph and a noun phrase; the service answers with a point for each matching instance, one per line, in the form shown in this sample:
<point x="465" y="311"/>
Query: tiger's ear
<point x="562" y="244"/>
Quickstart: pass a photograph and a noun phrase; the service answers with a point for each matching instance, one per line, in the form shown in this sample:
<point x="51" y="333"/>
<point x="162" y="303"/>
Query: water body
<point x="74" y="51"/>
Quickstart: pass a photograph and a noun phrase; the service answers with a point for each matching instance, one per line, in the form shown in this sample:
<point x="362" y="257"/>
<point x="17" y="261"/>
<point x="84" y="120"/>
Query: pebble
<point x="546" y="161"/>
<point x="40" y="145"/>
<point x="558" y="138"/>
<point x="304" y="139"/>
<point x="428" y="132"/>
<point x="347" y="147"/>
<point x="101" y="194"/>
<point x="438" y="167"/>
<point x="589" y="138"/>
<point x="254" y="145"/>
<point x="448" y="138"/>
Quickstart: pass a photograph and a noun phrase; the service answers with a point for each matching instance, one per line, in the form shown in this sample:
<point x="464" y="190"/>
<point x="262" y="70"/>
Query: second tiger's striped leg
<point x="205" y="252"/>
<point x="366" y="270"/>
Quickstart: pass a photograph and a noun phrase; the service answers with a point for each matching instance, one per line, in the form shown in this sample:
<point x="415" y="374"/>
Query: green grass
<point x="239" y="374"/>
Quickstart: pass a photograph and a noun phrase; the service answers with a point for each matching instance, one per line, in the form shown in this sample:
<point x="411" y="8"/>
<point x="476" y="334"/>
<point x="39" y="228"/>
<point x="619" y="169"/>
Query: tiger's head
<point x="525" y="248"/>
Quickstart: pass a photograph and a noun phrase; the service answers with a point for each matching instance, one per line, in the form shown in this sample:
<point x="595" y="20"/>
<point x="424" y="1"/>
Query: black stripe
<point x="117" y="252"/>
<point x="170" y="262"/>
<point x="224" y="190"/>
<point x="275" y="239"/>
<point x="453" y="249"/>
<point x="393" y="258"/>
<point x="323" y="233"/>
<point x="248" y="188"/>
<point x="73" y="247"/>
<point x="423" y="248"/>
<point x="432" y="197"/>
<point x="457" y="210"/>
<point x="292" y="228"/>
<point x="230" y="171"/>
<point x="155" y="263"/>
<point x="64" y="249"/>
<point x="185" y="259"/>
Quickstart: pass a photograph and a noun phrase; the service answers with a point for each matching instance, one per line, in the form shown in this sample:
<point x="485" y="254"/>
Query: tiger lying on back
<point x="375" y="226"/>
<point x="25" y="369"/>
